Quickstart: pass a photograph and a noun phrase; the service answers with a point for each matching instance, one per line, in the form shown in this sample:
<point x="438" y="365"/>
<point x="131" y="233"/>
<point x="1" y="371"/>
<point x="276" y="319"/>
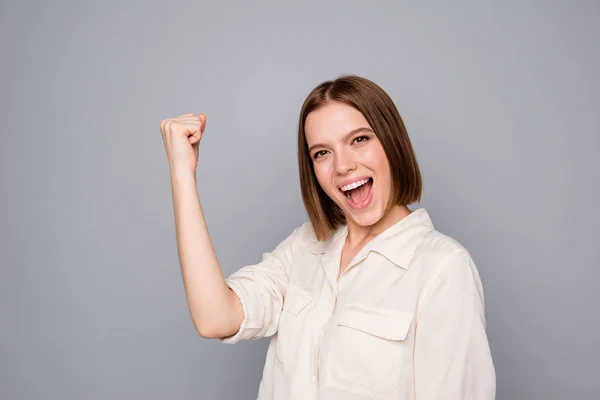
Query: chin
<point x="368" y="219"/>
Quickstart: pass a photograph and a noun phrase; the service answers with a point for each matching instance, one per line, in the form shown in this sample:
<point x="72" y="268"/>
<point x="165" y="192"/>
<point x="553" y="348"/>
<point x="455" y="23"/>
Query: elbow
<point x="209" y="331"/>
<point x="208" y="334"/>
<point x="205" y="330"/>
<point x="218" y="323"/>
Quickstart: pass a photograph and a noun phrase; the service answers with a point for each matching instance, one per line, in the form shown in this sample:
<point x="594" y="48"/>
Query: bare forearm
<point x="214" y="308"/>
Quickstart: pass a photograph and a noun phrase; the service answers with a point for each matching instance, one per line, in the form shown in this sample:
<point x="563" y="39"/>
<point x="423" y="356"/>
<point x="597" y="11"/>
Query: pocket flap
<point x="296" y="299"/>
<point x="391" y="324"/>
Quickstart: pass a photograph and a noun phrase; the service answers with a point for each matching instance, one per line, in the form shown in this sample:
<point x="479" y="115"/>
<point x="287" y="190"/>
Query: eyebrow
<point x="345" y="138"/>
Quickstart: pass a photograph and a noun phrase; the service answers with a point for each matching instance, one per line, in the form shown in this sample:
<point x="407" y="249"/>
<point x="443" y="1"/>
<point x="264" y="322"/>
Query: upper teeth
<point x="354" y="185"/>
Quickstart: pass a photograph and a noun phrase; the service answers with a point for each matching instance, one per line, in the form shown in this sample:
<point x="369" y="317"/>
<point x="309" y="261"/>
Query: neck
<point x="359" y="235"/>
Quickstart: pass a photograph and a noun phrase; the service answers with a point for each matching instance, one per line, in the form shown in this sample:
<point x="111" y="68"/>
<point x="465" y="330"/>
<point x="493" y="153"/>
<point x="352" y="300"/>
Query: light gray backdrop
<point x="501" y="100"/>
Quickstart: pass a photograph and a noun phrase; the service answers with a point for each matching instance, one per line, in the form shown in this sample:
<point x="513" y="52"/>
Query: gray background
<point x="501" y="100"/>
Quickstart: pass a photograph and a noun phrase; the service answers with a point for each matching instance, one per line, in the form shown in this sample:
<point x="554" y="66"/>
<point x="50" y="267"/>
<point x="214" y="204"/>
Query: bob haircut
<point x="382" y="115"/>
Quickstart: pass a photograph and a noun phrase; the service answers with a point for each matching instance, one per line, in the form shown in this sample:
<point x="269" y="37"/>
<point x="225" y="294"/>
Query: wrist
<point x="182" y="173"/>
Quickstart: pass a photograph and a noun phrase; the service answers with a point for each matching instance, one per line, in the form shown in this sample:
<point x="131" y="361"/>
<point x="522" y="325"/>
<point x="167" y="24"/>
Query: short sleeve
<point x="261" y="289"/>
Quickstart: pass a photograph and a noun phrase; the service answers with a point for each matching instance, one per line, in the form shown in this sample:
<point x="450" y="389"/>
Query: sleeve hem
<point x="249" y="326"/>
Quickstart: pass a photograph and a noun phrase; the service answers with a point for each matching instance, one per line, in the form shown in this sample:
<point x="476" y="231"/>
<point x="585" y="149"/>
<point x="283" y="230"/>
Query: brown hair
<point x="383" y="116"/>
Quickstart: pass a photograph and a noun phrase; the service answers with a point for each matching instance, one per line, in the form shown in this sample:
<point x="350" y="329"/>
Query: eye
<point x="319" y="154"/>
<point x="360" y="139"/>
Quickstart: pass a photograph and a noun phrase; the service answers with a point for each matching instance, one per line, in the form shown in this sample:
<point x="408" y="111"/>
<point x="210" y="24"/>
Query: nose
<point x="344" y="163"/>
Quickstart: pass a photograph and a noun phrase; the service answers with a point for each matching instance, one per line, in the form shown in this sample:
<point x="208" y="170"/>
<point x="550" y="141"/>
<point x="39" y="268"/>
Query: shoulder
<point x="306" y="232"/>
<point x="438" y="244"/>
<point x="439" y="254"/>
<point x="305" y="237"/>
<point x="445" y="262"/>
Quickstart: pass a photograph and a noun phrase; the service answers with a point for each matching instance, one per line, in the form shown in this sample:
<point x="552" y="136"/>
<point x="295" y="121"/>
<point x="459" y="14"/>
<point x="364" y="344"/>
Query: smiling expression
<point x="349" y="162"/>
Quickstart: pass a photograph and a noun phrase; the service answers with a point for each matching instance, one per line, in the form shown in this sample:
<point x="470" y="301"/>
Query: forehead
<point x="331" y="122"/>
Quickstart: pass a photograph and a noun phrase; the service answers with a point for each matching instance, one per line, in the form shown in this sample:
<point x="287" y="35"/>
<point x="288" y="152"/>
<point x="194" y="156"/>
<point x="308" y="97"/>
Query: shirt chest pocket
<point x="292" y="324"/>
<point x="370" y="352"/>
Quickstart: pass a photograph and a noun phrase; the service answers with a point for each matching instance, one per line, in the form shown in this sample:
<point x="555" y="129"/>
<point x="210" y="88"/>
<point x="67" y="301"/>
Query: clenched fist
<point x="181" y="137"/>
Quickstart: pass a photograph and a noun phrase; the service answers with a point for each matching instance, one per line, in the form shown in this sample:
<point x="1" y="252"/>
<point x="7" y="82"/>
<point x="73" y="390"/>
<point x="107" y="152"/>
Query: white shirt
<point x="405" y="320"/>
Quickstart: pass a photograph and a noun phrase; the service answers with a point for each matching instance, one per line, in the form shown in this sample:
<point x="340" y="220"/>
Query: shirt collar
<point x="397" y="243"/>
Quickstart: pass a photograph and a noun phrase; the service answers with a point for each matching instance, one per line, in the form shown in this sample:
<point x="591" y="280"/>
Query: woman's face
<point x="349" y="162"/>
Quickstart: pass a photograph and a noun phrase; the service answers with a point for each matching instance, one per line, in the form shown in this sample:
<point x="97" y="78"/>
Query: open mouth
<point x="358" y="194"/>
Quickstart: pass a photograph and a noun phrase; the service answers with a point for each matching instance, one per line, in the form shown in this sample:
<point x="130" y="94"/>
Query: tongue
<point x="360" y="194"/>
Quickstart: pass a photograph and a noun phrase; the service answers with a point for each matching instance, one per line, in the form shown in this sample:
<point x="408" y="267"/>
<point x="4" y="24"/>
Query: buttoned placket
<point x="320" y="338"/>
<point x="331" y="262"/>
<point x="328" y="261"/>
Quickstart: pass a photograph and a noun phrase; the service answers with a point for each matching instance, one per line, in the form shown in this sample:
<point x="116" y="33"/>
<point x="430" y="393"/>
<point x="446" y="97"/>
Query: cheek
<point x="382" y="167"/>
<point x="323" y="174"/>
<point x="373" y="157"/>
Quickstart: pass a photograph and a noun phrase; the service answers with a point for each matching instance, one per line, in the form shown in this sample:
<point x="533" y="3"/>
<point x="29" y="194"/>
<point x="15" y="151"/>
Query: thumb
<point x="202" y="120"/>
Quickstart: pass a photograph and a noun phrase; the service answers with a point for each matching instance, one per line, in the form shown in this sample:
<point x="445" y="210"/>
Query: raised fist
<point x="181" y="137"/>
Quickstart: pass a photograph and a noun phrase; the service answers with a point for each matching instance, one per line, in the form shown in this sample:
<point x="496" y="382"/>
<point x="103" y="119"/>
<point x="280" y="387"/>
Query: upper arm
<point x="261" y="289"/>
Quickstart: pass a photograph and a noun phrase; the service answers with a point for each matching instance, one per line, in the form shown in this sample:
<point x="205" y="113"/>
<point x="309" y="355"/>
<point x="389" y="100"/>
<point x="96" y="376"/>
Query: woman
<point x="366" y="300"/>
